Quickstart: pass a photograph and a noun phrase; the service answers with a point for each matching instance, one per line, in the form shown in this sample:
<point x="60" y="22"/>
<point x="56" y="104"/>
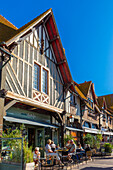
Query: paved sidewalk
<point x="105" y="163"/>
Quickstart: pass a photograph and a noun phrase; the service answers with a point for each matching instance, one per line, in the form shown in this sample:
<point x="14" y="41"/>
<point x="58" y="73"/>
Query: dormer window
<point x="90" y="101"/>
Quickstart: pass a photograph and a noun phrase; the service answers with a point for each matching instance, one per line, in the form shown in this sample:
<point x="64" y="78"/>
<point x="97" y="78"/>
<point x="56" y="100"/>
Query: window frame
<point x="39" y="77"/>
<point x="46" y="82"/>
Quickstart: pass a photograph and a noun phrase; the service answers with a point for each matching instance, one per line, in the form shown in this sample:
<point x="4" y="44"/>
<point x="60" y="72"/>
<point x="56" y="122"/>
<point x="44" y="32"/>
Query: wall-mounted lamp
<point x="71" y="118"/>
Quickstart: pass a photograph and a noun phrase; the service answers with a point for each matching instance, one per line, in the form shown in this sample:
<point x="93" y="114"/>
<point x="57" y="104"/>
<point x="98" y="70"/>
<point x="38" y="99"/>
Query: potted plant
<point x="108" y="148"/>
<point x="14" y="155"/>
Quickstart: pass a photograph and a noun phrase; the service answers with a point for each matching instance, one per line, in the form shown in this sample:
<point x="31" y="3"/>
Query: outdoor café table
<point x="63" y="153"/>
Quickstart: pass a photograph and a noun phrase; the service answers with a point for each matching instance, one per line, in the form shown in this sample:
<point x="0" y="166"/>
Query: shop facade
<point x="38" y="127"/>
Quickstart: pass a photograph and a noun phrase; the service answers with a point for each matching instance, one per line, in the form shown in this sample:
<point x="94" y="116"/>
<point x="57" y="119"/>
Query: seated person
<point x="49" y="151"/>
<point x="80" y="147"/>
<point x="80" y="151"/>
<point x="68" y="145"/>
<point x="72" y="149"/>
<point x="36" y="156"/>
<point x="53" y="146"/>
<point x="88" y="149"/>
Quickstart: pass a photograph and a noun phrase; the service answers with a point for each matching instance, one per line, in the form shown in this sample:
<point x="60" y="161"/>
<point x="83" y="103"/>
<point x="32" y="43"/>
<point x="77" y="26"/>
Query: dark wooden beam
<point x="3" y="93"/>
<point x="61" y="62"/>
<point x="47" y="18"/>
<point x="67" y="86"/>
<point x="55" y="38"/>
<point x="46" y="49"/>
<point x="8" y="105"/>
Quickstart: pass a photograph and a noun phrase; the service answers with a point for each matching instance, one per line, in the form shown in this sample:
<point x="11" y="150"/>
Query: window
<point x="44" y="81"/>
<point x="86" y="124"/>
<point x="72" y="99"/>
<point x="109" y="119"/>
<point x="36" y="82"/>
<point x="90" y="102"/>
<point x="106" y="119"/>
<point x="94" y="126"/>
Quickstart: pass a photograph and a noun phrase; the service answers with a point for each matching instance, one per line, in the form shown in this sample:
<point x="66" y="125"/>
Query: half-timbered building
<point x="37" y="79"/>
<point x="106" y="117"/>
<point x="90" y="113"/>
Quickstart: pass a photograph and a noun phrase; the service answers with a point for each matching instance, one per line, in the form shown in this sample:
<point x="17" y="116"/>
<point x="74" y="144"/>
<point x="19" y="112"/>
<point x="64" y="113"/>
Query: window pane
<point x="44" y="81"/>
<point x="36" y="82"/>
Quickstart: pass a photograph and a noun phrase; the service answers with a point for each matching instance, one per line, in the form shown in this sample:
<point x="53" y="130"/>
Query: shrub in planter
<point x="15" y="145"/>
<point x="108" y="147"/>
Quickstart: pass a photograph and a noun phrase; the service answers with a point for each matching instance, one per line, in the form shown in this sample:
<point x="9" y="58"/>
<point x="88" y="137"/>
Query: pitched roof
<point x="29" y="24"/>
<point x="83" y="97"/>
<point x="109" y="101"/>
<point x="84" y="87"/>
<point x="13" y="34"/>
<point x="7" y="29"/>
<point x="101" y="101"/>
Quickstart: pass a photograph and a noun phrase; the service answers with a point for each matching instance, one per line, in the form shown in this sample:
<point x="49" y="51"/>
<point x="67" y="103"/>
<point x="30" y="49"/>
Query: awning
<point x="107" y="133"/>
<point x="74" y="129"/>
<point x="90" y="130"/>
<point x="28" y="122"/>
<point x="95" y="131"/>
<point x="111" y="133"/>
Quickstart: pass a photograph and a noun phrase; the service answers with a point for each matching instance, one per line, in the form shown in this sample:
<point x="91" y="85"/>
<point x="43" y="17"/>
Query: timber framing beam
<point x="61" y="62"/>
<point x="67" y="86"/>
<point x="46" y="49"/>
<point x="60" y="117"/>
<point x="47" y="18"/>
<point x="11" y="103"/>
<point x="54" y="38"/>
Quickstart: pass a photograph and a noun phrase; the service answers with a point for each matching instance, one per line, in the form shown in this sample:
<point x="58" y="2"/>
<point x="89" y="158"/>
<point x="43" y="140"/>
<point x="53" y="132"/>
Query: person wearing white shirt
<point x="36" y="155"/>
<point x="49" y="151"/>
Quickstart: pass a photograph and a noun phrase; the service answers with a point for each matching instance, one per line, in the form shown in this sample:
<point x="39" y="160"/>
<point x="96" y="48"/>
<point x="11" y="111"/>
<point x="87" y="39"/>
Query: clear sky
<point x="86" y="31"/>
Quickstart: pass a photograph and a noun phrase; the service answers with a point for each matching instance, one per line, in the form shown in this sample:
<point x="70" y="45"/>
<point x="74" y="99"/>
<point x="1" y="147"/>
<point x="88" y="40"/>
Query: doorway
<point x="31" y="137"/>
<point x="40" y="137"/>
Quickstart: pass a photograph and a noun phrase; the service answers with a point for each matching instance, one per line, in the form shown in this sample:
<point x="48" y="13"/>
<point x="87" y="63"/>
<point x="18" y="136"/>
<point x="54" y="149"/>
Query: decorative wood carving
<point x="41" y="97"/>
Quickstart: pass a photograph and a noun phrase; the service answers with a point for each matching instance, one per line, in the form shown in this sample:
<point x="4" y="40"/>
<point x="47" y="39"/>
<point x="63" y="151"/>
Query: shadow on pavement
<point x="104" y="158"/>
<point x="97" y="168"/>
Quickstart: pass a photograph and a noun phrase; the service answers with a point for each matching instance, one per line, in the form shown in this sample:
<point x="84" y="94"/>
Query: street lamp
<point x="71" y="117"/>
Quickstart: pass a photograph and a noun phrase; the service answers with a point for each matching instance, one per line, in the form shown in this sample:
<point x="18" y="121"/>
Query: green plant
<point x="94" y="141"/>
<point x="15" y="145"/>
<point x="108" y="147"/>
<point x="98" y="140"/>
<point x="88" y="139"/>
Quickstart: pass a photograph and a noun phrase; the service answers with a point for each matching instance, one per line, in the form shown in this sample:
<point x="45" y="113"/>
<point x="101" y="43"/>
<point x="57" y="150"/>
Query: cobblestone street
<point x="97" y="164"/>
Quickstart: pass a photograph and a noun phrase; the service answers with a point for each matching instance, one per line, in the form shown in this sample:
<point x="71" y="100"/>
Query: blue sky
<point x="86" y="31"/>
